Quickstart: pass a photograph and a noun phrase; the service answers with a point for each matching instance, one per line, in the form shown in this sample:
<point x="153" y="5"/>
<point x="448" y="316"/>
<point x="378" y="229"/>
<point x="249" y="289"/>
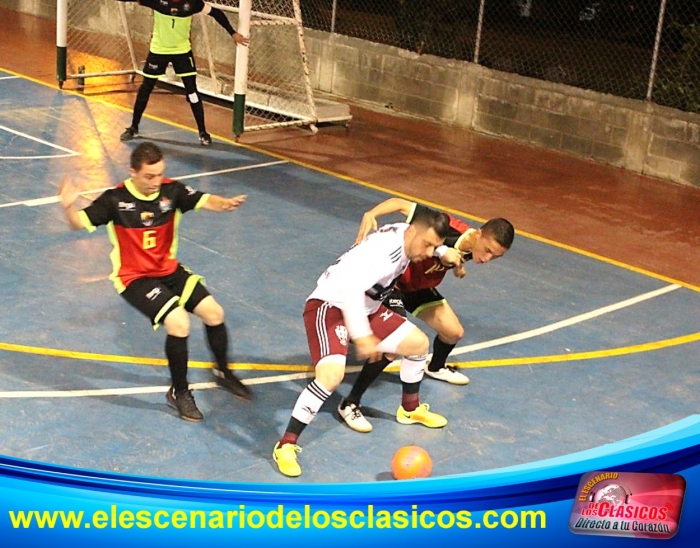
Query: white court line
<point x="49" y="157"/>
<point x="8" y="77"/>
<point x="350" y="369"/>
<point x="564" y="323"/>
<point x="230" y="170"/>
<point x="150" y="389"/>
<point x="54" y="199"/>
<point x="52" y="145"/>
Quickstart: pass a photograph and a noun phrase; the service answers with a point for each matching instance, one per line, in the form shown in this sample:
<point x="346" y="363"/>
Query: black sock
<point x="295" y="427"/>
<point x="368" y="374"/>
<point x="198" y="111"/>
<point x="217" y="335"/>
<point x="176" y="352"/>
<point x="410" y="397"/>
<point x="440" y="352"/>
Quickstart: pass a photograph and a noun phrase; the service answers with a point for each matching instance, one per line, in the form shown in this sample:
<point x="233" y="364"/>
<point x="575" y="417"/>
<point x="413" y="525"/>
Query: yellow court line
<point x="374" y="187"/>
<point x="531" y="360"/>
<point x="75" y="355"/>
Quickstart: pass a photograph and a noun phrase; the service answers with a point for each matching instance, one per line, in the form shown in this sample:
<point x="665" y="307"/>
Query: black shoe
<point x="204" y="139"/>
<point x="184" y="403"/>
<point x="129" y="134"/>
<point x="229" y="381"/>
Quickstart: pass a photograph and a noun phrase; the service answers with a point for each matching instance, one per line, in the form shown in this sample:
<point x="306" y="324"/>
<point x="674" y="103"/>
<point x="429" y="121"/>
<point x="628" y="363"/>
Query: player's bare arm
<point x="68" y="194"/>
<point x="369" y="219"/>
<point x="219" y="203"/>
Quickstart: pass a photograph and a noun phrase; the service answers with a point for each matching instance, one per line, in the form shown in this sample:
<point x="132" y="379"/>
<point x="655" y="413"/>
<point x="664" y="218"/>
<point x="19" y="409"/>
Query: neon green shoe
<point x="286" y="459"/>
<point x="420" y="415"/>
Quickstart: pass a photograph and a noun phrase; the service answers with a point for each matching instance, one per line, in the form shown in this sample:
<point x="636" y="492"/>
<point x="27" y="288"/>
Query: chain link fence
<point x="622" y="47"/>
<point x="640" y="49"/>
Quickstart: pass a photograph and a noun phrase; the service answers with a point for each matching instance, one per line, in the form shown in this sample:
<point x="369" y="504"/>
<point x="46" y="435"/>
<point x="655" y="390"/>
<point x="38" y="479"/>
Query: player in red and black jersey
<point x="142" y="217"/>
<point x="416" y="292"/>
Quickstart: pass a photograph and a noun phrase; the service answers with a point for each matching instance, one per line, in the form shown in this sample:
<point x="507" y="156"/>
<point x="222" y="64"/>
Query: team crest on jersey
<point x="147" y="218"/>
<point x="165" y="204"/>
<point x="190" y="190"/>
<point x="342" y="333"/>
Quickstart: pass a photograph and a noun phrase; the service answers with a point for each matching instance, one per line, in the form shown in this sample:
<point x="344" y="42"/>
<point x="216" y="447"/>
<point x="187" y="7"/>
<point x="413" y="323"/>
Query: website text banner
<point x="525" y="505"/>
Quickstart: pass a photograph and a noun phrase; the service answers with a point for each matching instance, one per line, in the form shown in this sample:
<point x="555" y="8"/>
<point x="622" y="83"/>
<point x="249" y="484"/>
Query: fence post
<point x="240" y="78"/>
<point x="61" y="40"/>
<point x="479" y="27"/>
<point x="333" y="14"/>
<point x="655" y="55"/>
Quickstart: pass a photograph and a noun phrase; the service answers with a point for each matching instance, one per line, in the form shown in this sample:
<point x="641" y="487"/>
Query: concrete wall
<point x="631" y="134"/>
<point x="43" y="8"/>
<point x="635" y="135"/>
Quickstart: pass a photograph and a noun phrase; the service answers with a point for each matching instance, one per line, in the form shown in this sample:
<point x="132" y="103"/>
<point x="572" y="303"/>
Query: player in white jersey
<point x="347" y="306"/>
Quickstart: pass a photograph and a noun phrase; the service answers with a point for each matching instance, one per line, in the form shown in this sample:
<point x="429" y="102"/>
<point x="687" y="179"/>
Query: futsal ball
<point x="411" y="462"/>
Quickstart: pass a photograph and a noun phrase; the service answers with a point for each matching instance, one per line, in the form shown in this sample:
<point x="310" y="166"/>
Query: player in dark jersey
<point x="142" y="216"/>
<point x="170" y="43"/>
<point x="416" y="292"/>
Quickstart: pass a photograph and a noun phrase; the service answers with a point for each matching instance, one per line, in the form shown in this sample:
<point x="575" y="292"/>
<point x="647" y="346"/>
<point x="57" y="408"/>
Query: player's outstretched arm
<point x="68" y="194"/>
<point x="369" y="219"/>
<point x="220" y="17"/>
<point x="219" y="203"/>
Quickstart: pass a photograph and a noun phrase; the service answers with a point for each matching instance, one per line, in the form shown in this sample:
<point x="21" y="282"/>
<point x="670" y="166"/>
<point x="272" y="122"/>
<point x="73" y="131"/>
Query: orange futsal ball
<point x="411" y="462"/>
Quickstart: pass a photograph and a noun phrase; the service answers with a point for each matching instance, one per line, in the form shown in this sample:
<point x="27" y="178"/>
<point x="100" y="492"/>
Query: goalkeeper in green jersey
<point x="170" y="43"/>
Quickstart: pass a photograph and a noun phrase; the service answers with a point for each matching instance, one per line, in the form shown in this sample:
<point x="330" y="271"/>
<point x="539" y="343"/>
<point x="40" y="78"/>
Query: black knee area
<point x="147" y="86"/>
<point x="190" y="83"/>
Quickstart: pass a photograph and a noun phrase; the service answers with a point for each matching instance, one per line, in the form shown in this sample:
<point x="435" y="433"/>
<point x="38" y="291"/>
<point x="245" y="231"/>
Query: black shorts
<point x="157" y="297"/>
<point x="156" y="63"/>
<point x="413" y="302"/>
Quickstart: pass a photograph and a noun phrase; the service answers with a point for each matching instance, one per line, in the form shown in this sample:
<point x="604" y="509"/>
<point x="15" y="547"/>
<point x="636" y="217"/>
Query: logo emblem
<point x="153" y="293"/>
<point x="126" y="206"/>
<point x="165" y="204"/>
<point x="147" y="218"/>
<point x="342" y="333"/>
<point x="436" y="267"/>
<point x="628" y="504"/>
<point x="309" y="410"/>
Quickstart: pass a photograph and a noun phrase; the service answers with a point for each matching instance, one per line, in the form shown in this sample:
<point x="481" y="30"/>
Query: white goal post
<point x="268" y="82"/>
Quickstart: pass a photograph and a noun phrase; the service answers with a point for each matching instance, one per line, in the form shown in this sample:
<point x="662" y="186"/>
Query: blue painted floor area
<point x="261" y="262"/>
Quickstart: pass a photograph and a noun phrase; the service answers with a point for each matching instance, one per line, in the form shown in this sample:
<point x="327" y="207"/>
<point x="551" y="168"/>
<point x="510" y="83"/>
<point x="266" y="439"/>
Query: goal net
<point x="108" y="40"/>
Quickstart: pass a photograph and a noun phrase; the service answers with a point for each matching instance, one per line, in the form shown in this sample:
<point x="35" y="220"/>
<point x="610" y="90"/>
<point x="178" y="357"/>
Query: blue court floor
<point x="565" y="351"/>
